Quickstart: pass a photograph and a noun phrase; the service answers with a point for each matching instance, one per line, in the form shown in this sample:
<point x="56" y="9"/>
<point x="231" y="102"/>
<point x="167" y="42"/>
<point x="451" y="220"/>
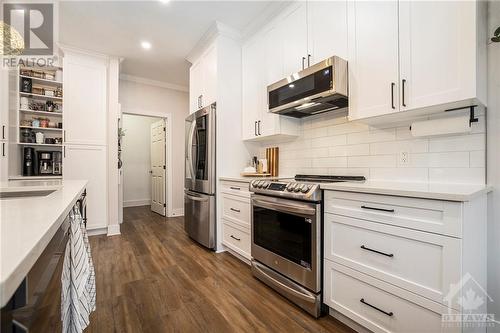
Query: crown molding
<point x="215" y="30"/>
<point x="155" y="83"/>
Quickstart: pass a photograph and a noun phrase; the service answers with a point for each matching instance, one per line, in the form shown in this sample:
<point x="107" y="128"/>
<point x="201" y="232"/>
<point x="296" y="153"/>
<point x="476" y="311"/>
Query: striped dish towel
<point x="78" y="278"/>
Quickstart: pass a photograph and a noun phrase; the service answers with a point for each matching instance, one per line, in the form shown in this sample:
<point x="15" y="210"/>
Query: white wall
<point x="493" y="164"/>
<point x="328" y="144"/>
<point x="146" y="99"/>
<point x="136" y="156"/>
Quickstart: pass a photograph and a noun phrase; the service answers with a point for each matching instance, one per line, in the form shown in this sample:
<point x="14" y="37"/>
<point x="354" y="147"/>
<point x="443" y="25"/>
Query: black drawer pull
<point x="381" y="209"/>
<point x="238" y="239"/>
<point x="235" y="210"/>
<point x="235" y="188"/>
<point x="390" y="314"/>
<point x="372" y="250"/>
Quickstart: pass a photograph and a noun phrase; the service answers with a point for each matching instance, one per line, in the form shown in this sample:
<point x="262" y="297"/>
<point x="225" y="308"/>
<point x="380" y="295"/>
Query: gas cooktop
<point x="301" y="187"/>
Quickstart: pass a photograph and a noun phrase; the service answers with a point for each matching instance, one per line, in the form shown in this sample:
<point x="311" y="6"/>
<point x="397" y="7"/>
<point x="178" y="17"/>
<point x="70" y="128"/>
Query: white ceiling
<point x="117" y="28"/>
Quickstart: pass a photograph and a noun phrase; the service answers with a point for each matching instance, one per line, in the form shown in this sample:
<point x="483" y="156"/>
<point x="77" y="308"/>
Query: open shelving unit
<point x="43" y="108"/>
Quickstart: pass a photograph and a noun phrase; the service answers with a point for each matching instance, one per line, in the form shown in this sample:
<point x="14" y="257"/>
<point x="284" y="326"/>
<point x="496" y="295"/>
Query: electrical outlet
<point x="404" y="158"/>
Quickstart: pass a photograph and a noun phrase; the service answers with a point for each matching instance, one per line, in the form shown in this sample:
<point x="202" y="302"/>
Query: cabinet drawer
<point x="236" y="239"/>
<point x="441" y="217"/>
<point x="236" y="209"/>
<point x="379" y="306"/>
<point x="420" y="262"/>
<point x="235" y="188"/>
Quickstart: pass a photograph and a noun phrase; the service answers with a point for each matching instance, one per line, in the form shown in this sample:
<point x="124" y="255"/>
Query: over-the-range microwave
<point x="319" y="88"/>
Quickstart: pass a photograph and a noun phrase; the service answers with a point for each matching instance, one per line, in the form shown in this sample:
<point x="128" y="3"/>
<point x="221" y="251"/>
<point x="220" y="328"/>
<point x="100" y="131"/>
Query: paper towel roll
<point x="443" y="126"/>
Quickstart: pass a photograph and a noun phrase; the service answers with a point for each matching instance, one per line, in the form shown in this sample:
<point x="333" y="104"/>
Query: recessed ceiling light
<point x="146" y="45"/>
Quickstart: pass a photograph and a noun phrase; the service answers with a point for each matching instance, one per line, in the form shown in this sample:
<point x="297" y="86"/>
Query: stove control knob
<point x="298" y="187"/>
<point x="254" y="183"/>
<point x="261" y="183"/>
<point x="265" y="184"/>
<point x="289" y="187"/>
<point x="306" y="188"/>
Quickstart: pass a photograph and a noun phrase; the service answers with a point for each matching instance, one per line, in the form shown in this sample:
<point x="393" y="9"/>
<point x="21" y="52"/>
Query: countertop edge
<point x="436" y="195"/>
<point x="9" y="284"/>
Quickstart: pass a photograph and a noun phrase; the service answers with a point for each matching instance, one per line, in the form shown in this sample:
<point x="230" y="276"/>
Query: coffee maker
<point x="57" y="163"/>
<point x="29" y="162"/>
<point x="45" y="163"/>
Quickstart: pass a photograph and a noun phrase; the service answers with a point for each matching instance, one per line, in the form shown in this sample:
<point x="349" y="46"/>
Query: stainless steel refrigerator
<point x="199" y="183"/>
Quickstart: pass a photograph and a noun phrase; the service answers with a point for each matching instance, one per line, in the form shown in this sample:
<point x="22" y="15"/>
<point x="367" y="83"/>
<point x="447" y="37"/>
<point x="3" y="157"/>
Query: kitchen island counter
<point x="27" y="224"/>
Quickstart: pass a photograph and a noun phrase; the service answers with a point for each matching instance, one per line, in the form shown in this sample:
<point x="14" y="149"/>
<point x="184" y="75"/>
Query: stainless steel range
<point x="287" y="236"/>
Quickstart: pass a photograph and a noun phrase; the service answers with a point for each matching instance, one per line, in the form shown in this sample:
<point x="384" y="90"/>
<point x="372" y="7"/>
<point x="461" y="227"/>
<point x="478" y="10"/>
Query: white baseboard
<point x="177" y="212"/>
<point x="97" y="231"/>
<point x="113" y="229"/>
<point x="135" y="203"/>
<point x="347" y="321"/>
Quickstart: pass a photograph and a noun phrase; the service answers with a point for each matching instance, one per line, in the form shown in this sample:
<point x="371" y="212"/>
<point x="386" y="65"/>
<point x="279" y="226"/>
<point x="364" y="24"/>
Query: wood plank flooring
<point x="153" y="278"/>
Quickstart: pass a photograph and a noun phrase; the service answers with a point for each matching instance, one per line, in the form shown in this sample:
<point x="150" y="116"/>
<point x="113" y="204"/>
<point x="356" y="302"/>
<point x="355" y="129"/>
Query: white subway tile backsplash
<point x="373" y="161"/>
<point x="330" y="144"/>
<point x="395" y="147"/>
<point x="457" y="175"/>
<point x="378" y="135"/>
<point x="350" y="150"/>
<point x="457" y="143"/>
<point x="400" y="174"/>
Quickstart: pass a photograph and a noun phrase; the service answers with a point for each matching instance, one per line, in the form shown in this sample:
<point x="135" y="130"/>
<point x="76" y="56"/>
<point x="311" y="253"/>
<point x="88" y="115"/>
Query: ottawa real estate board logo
<point x="26" y="32"/>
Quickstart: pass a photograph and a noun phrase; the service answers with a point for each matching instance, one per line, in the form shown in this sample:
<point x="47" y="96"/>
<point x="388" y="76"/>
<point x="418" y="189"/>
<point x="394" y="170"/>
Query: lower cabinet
<point x="389" y="269"/>
<point x="236" y="218"/>
<point x="90" y="163"/>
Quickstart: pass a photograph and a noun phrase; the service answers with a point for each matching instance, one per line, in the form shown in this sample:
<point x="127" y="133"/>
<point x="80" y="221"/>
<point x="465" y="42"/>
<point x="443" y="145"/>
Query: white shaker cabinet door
<point x="253" y="87"/>
<point x="437" y="52"/>
<point x="373" y="58"/>
<point x="209" y="63"/>
<point x="195" y="82"/>
<point x="90" y="163"/>
<point x="85" y="104"/>
<point x="294" y="34"/>
<point x="327" y="30"/>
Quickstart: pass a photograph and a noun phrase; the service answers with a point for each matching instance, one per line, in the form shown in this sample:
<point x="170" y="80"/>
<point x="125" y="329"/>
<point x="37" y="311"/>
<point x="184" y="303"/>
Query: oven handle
<point x="286" y="208"/>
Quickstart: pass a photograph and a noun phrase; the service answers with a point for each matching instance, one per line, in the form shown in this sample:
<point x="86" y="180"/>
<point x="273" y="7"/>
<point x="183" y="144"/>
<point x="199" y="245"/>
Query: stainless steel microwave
<point x="319" y="88"/>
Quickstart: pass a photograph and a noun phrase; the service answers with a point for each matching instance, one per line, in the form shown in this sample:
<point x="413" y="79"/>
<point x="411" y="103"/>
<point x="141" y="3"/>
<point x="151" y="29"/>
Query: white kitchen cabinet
<point x="412" y="257"/>
<point x="203" y="80"/>
<point x="85" y="98"/>
<point x="373" y="58"/>
<point x="90" y="163"/>
<point x="438" y="52"/>
<point x="327" y="30"/>
<point x="294" y="35"/>
<point x="415" y="56"/>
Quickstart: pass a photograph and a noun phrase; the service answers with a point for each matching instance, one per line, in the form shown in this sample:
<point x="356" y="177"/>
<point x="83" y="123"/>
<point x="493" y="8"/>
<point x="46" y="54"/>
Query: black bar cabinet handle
<point x="403" y="91"/>
<point x="3" y="131"/>
<point x="259" y="127"/>
<point x="235" y="188"/>
<point x="308" y="60"/>
<point x="235" y="210"/>
<point x="238" y="239"/>
<point x="378" y="252"/>
<point x="381" y="209"/>
<point x="255" y="128"/>
<point x="3" y="148"/>
<point x="390" y="314"/>
<point x="303" y="62"/>
<point x="392" y="94"/>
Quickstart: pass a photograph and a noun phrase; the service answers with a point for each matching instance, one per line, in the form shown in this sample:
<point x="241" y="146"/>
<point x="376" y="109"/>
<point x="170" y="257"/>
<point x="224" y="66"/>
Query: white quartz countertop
<point x="28" y="224"/>
<point x="449" y="192"/>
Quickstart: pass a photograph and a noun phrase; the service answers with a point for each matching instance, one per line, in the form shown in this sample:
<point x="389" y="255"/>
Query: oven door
<point x="286" y="238"/>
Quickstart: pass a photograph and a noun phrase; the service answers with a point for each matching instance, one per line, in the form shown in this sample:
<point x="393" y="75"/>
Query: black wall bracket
<point x="472" y="117"/>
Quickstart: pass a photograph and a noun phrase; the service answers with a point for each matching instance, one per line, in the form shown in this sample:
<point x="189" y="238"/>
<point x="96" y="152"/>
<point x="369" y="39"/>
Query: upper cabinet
<point x="203" y="80"/>
<point x="85" y="99"/>
<point x="415" y="55"/>
<point x="305" y="34"/>
<point x="373" y="58"/>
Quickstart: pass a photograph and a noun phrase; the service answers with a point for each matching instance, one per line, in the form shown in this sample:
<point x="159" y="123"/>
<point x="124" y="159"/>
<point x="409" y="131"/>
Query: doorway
<point x="145" y="168"/>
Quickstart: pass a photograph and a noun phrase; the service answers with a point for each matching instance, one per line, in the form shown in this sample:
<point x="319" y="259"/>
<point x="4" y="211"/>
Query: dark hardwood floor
<point x="153" y="278"/>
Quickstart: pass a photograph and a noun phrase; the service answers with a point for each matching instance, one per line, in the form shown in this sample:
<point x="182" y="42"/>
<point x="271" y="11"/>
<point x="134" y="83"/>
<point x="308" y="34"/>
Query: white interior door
<point x="158" y="167"/>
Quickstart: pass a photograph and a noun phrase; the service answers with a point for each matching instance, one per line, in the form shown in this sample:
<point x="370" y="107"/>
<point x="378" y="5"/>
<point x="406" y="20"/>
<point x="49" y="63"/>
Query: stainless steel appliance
<point x="319" y="88"/>
<point x="287" y="237"/>
<point x="45" y="163"/>
<point x="199" y="184"/>
<point x="29" y="161"/>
